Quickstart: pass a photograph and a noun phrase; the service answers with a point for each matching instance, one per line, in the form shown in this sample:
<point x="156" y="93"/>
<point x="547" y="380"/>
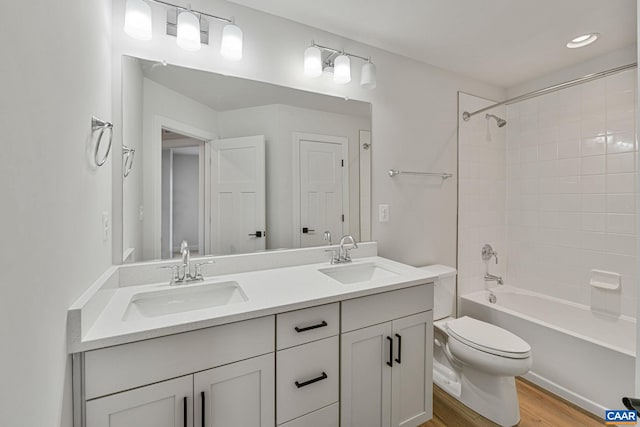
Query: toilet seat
<point x="488" y="338"/>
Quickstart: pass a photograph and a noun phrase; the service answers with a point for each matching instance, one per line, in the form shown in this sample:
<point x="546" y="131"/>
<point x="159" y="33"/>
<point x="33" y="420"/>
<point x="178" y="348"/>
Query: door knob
<point x="259" y="234"/>
<point x="306" y="230"/>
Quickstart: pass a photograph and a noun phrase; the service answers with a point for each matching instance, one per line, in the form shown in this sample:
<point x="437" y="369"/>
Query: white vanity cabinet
<point x="216" y="377"/>
<point x="386" y="347"/>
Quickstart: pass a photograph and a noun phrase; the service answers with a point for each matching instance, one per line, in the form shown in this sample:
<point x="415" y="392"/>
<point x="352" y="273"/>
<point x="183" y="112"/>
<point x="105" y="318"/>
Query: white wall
<point x="482" y="194"/>
<point x="132" y="89"/>
<point x="160" y="101"/>
<point x="278" y="123"/>
<point x="571" y="192"/>
<point x="53" y="80"/>
<point x="414" y="115"/>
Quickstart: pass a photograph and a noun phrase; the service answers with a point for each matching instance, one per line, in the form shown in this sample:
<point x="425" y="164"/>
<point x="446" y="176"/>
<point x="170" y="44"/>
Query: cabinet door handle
<point x="390" y="361"/>
<point x="308" y="328"/>
<point x="399" y="358"/>
<point x="311" y="381"/>
<point x="184" y="411"/>
<point x="202" y="399"/>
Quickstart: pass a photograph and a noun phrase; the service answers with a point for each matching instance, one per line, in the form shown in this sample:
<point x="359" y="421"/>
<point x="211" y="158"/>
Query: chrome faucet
<point x="341" y="254"/>
<point x="185" y="277"/>
<point x="327" y="237"/>
<point x="487" y="254"/>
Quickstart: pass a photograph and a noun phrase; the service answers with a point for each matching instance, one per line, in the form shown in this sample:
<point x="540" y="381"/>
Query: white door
<point x="238" y="199"/>
<point x="165" y="404"/>
<point x="411" y="379"/>
<point x="240" y="394"/>
<point x="365" y="397"/>
<point x="321" y="191"/>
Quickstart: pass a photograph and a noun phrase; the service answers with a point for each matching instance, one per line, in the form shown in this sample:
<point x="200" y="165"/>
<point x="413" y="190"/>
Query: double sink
<point x="208" y="294"/>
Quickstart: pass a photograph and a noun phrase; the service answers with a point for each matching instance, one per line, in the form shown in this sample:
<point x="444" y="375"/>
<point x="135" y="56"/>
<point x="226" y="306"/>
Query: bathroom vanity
<point x="305" y="343"/>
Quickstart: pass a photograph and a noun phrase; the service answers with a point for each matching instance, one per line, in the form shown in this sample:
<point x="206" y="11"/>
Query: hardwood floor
<point x="538" y="408"/>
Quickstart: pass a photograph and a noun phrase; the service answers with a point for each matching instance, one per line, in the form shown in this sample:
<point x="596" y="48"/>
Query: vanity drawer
<point x="361" y="312"/>
<point x="307" y="378"/>
<point x="310" y="324"/>
<point x="325" y="417"/>
<point x="113" y="369"/>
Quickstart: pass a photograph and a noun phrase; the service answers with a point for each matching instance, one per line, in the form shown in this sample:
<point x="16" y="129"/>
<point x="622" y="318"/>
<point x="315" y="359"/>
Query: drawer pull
<point x="308" y="328"/>
<point x="184" y="411"/>
<point x="311" y="381"/>
<point x="390" y="361"/>
<point x="202" y="398"/>
<point x="399" y="358"/>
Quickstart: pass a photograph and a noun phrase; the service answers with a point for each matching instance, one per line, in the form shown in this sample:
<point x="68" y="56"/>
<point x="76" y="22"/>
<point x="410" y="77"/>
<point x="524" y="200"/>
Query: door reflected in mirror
<point x="234" y="166"/>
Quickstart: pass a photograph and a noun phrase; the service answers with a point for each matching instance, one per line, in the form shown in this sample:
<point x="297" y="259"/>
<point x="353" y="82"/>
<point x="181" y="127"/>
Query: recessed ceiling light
<point x="583" y="40"/>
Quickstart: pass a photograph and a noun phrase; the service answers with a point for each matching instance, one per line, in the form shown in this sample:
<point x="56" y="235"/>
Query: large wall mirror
<point x="234" y="166"/>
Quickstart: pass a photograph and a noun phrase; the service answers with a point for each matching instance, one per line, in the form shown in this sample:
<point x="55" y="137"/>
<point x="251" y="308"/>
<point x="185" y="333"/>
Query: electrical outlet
<point x="105" y="226"/>
<point x="383" y="213"/>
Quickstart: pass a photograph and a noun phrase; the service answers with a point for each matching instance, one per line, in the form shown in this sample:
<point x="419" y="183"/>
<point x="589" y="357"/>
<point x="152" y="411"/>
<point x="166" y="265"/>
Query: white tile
<point x="621" y="183"/>
<point x="567" y="167"/>
<point x="593" y="184"/>
<point x="594" y="222"/>
<point x="567" y="184"/>
<point x="568" y="149"/>
<point x="568" y="131"/>
<point x="621" y="163"/>
<point x="620" y="243"/>
<point x="619" y="126"/>
<point x="594" y="203"/>
<point x="569" y="220"/>
<point x="624" y="81"/>
<point x="621" y="203"/>
<point x="621" y="142"/>
<point x="547" y="135"/>
<point x="594" y="241"/>
<point x="590" y="127"/>
<point x="529" y="154"/>
<point x="547" y="152"/>
<point x="593" y="146"/>
<point x="621" y="223"/>
<point x="593" y="165"/>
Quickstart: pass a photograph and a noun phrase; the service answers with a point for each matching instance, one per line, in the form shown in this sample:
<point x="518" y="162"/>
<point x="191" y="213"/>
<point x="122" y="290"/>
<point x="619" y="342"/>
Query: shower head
<point x="499" y="121"/>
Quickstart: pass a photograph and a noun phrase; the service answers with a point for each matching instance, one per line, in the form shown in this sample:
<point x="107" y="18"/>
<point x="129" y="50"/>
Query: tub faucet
<point x="491" y="278"/>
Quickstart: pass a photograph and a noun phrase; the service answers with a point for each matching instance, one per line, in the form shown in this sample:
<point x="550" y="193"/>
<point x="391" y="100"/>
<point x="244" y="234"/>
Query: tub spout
<point x="491" y="278"/>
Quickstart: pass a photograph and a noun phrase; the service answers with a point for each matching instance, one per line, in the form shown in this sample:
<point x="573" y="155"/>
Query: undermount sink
<point x="356" y="273"/>
<point x="184" y="298"/>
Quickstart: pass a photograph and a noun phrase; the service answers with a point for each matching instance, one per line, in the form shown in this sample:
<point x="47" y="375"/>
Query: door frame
<point x="155" y="162"/>
<point x="343" y="141"/>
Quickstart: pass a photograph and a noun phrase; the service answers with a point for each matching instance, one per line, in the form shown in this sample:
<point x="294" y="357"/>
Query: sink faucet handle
<point x="175" y="275"/>
<point x="199" y="265"/>
<point x="335" y="258"/>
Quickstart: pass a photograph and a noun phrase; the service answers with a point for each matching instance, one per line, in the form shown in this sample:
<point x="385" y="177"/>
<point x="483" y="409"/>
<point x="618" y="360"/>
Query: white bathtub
<point x="584" y="357"/>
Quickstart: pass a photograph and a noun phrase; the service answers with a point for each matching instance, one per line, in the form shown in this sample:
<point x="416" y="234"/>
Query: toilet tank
<point x="444" y="290"/>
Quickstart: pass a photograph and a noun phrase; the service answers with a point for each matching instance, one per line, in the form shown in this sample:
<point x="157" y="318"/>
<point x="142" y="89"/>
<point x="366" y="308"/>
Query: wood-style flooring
<point x="538" y="408"/>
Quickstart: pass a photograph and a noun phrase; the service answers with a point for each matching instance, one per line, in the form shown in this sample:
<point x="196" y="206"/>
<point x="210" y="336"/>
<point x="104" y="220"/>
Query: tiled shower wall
<point x="481" y="193"/>
<point x="571" y="204"/>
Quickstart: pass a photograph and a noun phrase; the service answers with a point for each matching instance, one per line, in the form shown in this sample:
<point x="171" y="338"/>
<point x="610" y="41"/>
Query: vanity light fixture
<point x="137" y="19"/>
<point x="318" y="58"/>
<point x="189" y="26"/>
<point x="188" y="31"/>
<point x="583" y="40"/>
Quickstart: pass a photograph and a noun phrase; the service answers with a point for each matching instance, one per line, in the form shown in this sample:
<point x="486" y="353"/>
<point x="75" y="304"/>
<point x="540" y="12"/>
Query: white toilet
<point x="474" y="361"/>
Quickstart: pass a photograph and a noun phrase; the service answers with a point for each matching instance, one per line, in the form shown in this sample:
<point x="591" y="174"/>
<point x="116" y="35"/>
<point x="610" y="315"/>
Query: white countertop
<point x="268" y="292"/>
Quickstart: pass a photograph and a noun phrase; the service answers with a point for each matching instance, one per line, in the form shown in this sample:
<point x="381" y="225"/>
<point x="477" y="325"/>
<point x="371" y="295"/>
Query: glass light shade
<point x="231" y="46"/>
<point x="188" y="31"/>
<point x="342" y="70"/>
<point x="312" y="62"/>
<point x="368" y="76"/>
<point x="137" y="19"/>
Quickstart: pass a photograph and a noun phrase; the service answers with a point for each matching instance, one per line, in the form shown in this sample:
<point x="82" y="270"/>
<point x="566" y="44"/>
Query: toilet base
<point x="493" y="397"/>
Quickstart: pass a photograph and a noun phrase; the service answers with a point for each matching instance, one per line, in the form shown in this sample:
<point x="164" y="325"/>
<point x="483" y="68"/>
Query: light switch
<point x="383" y="213"/>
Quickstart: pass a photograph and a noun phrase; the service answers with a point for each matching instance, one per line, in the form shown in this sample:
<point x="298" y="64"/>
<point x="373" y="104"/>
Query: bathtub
<point x="585" y="357"/>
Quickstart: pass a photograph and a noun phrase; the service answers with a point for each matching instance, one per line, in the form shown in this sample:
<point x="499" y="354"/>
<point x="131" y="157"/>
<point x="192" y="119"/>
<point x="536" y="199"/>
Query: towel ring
<point x="101" y="125"/>
<point x="128" y="154"/>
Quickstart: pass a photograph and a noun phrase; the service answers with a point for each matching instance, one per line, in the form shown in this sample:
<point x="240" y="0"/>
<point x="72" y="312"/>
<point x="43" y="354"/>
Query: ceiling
<point x="224" y="93"/>
<point x="502" y="42"/>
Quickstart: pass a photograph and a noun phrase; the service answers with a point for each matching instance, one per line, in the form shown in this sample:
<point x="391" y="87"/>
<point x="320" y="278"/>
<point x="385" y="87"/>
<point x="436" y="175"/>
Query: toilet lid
<point x="488" y="338"/>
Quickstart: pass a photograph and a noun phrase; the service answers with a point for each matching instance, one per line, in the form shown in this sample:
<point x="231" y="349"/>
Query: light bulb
<point x="188" y="32"/>
<point x="312" y="62"/>
<point x="368" y="76"/>
<point x="231" y="46"/>
<point x="342" y="69"/>
<point x="137" y="20"/>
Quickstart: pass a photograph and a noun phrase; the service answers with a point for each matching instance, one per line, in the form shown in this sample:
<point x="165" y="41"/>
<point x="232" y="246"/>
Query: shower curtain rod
<point x="467" y="115"/>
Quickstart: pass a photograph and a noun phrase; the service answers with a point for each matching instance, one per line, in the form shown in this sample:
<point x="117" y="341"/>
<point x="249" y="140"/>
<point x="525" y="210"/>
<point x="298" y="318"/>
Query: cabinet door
<point x="366" y="377"/>
<point x="240" y="394"/>
<point x="165" y="404"/>
<point x="411" y="380"/>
